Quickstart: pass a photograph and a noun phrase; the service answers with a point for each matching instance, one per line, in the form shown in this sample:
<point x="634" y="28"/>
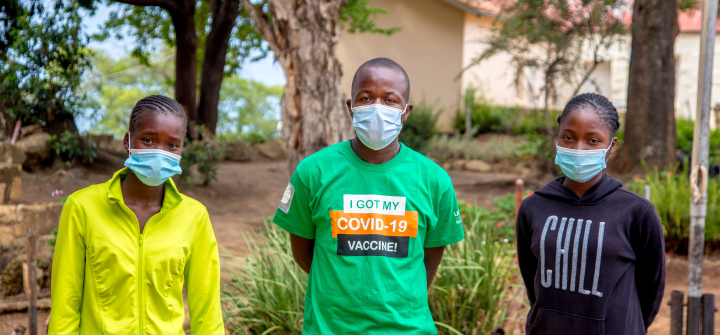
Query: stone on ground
<point x="478" y="166"/>
<point x="10" y="183"/>
<point x="238" y="152"/>
<point x="35" y="146"/>
<point x="11" y="154"/>
<point x="273" y="149"/>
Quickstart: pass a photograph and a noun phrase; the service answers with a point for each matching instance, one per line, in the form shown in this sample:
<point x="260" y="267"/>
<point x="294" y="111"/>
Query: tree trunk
<point x="186" y="63"/>
<point x="303" y="35"/>
<point x="224" y="15"/>
<point x="650" y="118"/>
<point x="57" y="124"/>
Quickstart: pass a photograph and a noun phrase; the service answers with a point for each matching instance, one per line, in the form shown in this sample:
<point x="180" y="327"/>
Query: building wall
<point x="494" y="78"/>
<point x="429" y="48"/>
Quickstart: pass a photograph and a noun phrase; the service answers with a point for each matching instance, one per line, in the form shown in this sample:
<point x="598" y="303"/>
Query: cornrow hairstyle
<point x="598" y="103"/>
<point x="155" y="104"/>
<point x="383" y="63"/>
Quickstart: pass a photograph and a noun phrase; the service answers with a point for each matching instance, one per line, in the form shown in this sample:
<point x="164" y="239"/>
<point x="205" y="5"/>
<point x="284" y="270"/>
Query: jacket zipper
<point x="140" y="284"/>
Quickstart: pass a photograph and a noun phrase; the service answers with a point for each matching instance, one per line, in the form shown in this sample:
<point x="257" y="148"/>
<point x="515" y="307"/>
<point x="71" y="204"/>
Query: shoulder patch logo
<point x="286" y="200"/>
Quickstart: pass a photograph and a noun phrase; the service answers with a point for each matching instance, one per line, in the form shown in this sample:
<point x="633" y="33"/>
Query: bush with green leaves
<point x="419" y="127"/>
<point x="204" y="155"/>
<point x="684" y="136"/>
<point x="73" y="149"/>
<point x="488" y="118"/>
<point x="446" y="148"/>
<point x="670" y="193"/>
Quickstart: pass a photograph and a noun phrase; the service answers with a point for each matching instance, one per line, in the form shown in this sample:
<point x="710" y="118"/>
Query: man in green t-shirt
<point x="370" y="218"/>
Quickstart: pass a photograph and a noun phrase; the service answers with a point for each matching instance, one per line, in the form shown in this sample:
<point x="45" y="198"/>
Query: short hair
<point x="156" y="104"/>
<point x="599" y="104"/>
<point x="383" y="63"/>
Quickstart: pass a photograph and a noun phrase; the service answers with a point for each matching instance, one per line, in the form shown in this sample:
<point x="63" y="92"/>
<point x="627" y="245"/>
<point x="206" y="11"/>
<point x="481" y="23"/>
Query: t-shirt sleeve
<point x="448" y="229"/>
<point x="294" y="213"/>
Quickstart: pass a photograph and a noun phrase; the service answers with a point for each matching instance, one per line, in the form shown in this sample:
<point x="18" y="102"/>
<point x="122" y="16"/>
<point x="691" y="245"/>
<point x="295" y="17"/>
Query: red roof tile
<point x="691" y="21"/>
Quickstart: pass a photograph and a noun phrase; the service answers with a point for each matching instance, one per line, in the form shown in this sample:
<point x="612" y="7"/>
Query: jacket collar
<point x="171" y="199"/>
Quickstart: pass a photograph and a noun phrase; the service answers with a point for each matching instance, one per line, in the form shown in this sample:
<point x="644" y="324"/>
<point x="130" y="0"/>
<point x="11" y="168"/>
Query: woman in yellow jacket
<point x="125" y="248"/>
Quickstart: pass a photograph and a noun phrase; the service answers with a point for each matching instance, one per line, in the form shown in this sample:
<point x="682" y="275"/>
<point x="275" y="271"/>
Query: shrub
<point x="487" y="118"/>
<point x="205" y="155"/>
<point x="419" y="127"/>
<point x="73" y="149"/>
<point x="684" y="137"/>
<point x="670" y="193"/>
<point x="266" y="293"/>
<point x="445" y="148"/>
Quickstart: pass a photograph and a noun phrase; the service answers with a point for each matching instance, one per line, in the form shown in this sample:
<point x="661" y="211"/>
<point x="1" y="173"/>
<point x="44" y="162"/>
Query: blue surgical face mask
<point x="377" y="125"/>
<point x="581" y="165"/>
<point x="153" y="166"/>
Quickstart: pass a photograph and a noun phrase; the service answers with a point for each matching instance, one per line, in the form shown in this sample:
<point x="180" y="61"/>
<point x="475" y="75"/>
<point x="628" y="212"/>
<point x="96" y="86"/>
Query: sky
<point x="266" y="70"/>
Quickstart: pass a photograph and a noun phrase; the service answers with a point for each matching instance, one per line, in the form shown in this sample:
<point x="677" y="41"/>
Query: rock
<point x="478" y="166"/>
<point x="10" y="183"/>
<point x="237" y="152"/>
<point x="446" y="166"/>
<point x="11" y="154"/>
<point x="29" y="130"/>
<point x="273" y="149"/>
<point x="458" y="164"/>
<point x="11" y="280"/>
<point x="35" y="146"/>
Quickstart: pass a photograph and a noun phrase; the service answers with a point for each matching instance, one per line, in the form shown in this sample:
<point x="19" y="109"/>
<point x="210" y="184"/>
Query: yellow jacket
<point x="110" y="279"/>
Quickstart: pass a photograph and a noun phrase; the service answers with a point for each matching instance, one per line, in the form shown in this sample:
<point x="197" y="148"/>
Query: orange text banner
<point x="373" y="223"/>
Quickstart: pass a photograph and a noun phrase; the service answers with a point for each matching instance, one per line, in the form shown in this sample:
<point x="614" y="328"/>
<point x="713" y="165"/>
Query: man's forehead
<point x="375" y="77"/>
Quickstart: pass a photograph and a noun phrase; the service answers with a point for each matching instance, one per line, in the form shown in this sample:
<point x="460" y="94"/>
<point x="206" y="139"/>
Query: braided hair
<point x="598" y="103"/>
<point x="155" y="104"/>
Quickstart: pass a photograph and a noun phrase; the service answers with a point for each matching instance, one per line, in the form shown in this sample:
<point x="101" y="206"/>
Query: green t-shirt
<point x="370" y="223"/>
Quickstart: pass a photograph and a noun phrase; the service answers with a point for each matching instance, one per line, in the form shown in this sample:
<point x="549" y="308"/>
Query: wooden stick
<point x="519" y="189"/>
<point x="16" y="133"/>
<point x="32" y="281"/>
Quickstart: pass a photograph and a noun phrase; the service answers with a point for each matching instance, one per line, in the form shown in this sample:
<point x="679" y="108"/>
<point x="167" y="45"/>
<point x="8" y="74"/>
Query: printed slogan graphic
<point x="373" y="225"/>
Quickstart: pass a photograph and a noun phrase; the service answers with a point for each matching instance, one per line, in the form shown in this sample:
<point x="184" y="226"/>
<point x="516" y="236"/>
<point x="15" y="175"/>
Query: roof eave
<point x="464" y="7"/>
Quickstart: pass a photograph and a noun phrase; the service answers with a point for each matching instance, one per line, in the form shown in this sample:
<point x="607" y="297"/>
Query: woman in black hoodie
<point x="591" y="253"/>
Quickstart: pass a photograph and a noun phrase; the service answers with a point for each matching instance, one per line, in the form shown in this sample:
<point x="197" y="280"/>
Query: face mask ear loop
<point x="608" y="150"/>
<point x="129" y="144"/>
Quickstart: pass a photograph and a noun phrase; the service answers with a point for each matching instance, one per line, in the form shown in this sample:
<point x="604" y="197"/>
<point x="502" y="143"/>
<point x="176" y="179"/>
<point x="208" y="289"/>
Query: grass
<point x="670" y="193"/>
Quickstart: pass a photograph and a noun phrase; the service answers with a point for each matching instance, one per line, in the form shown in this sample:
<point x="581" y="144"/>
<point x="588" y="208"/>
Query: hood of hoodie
<point x="596" y="194"/>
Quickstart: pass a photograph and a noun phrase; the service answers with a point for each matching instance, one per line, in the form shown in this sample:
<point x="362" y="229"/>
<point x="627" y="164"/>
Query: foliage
<point x="151" y="24"/>
<point x="42" y="59"/>
<point x="204" y="156"/>
<point x="249" y="110"/>
<point x="266" y="291"/>
<point x="445" y="148"/>
<point x="684" y="136"/>
<point x="73" y="148"/>
<point x="489" y="118"/>
<point x="358" y="16"/>
<point x="551" y="36"/>
<point x="419" y="127"/>
<point x="670" y="193"/>
<point x="115" y="86"/>
<point x="468" y="295"/>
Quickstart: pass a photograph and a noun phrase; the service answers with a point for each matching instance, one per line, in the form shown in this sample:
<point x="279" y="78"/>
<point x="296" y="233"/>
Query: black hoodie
<point x="603" y="258"/>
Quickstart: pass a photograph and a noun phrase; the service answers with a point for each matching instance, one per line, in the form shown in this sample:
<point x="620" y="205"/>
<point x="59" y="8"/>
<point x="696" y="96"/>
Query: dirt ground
<point x="246" y="193"/>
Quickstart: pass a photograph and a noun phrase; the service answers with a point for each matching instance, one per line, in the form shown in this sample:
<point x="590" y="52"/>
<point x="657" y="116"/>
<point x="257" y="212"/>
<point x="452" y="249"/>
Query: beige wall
<point x="493" y="78"/>
<point x="429" y="48"/>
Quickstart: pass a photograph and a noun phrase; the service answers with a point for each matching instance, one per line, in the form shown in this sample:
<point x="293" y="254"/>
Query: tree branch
<point x="165" y="4"/>
<point x="263" y="25"/>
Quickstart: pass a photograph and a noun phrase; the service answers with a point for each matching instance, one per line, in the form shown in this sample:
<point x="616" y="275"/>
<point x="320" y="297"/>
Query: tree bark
<point x="57" y="124"/>
<point x="224" y="15"/>
<point x="186" y="63"/>
<point x="303" y="35"/>
<point x="650" y="118"/>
